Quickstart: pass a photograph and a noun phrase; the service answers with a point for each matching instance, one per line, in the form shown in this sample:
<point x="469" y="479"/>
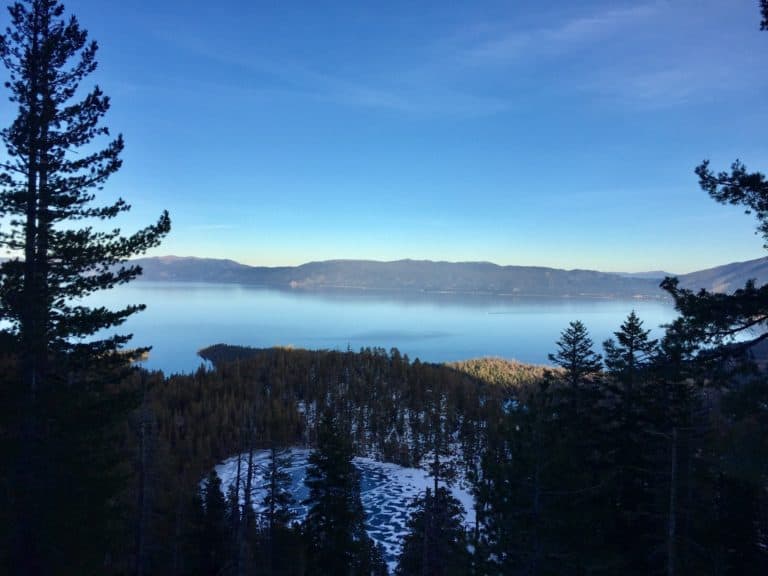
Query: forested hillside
<point x="565" y="472"/>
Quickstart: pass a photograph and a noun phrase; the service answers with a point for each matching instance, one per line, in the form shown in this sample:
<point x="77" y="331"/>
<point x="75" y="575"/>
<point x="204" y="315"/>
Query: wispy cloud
<point x="417" y="96"/>
<point x="654" y="89"/>
<point x="669" y="79"/>
<point x="647" y="56"/>
<point x="405" y="92"/>
<point x="514" y="43"/>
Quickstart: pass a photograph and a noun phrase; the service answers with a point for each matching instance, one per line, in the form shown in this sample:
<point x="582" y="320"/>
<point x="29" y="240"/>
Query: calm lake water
<point x="181" y="318"/>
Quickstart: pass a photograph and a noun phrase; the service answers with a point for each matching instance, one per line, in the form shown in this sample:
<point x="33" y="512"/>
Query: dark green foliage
<point x="764" y="12"/>
<point x="436" y="543"/>
<point x="631" y="352"/>
<point x="49" y="184"/>
<point x="65" y="414"/>
<point x="628" y="359"/>
<point x="739" y="187"/>
<point x="714" y="319"/>
<point x="380" y="398"/>
<point x="336" y="539"/>
<point x="567" y="481"/>
<point x="278" y="499"/>
<point x="575" y="355"/>
<point x="717" y="335"/>
<point x="536" y="495"/>
<point x="215" y="535"/>
<point x="275" y="530"/>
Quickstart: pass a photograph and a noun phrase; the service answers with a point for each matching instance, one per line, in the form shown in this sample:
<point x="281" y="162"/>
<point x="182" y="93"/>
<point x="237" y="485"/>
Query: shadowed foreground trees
<point x="336" y="539"/>
<point x="561" y="487"/>
<point x="59" y="254"/>
<point x="727" y="331"/>
<point x="436" y="543"/>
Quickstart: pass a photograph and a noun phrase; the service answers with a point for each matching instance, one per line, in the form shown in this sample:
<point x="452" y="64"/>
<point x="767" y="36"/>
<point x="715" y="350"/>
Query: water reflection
<point x="181" y="318"/>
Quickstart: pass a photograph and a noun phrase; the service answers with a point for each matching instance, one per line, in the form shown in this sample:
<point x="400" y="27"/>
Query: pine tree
<point x="277" y="515"/>
<point x="216" y="536"/>
<point x="436" y="543"/>
<point x="48" y="183"/>
<point x="334" y="527"/>
<point x="628" y="359"/>
<point x="278" y="499"/>
<point x="725" y="328"/>
<point x="534" y="491"/>
<point x="575" y="355"/>
<point x="710" y="318"/>
<point x="631" y="352"/>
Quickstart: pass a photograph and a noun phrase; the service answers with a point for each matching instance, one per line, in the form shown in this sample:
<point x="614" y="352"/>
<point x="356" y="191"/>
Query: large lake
<point x="181" y="318"/>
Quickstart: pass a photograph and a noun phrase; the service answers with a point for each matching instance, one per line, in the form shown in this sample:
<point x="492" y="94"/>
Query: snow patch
<point x="386" y="490"/>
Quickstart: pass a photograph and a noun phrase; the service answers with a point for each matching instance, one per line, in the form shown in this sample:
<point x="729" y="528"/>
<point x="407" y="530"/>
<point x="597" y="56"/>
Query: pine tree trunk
<point x="247" y="507"/>
<point x="26" y="546"/>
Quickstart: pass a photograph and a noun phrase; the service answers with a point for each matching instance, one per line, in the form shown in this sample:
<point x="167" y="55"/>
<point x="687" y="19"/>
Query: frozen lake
<point x="386" y="490"/>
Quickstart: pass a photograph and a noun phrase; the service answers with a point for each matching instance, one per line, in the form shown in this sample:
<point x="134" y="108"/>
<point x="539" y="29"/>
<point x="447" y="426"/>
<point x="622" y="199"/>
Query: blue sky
<point x="555" y="133"/>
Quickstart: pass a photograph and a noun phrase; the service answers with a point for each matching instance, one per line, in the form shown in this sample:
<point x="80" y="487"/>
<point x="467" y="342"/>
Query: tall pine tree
<point x="49" y="180"/>
<point x="48" y="183"/>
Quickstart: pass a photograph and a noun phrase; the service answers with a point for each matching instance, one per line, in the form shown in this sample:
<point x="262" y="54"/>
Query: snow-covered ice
<point x="387" y="491"/>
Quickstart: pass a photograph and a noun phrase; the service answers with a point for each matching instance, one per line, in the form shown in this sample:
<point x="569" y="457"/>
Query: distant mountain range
<point x="451" y="277"/>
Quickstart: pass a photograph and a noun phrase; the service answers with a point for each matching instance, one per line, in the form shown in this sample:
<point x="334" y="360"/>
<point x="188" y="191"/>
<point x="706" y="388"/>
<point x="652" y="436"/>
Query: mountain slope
<point x="404" y="275"/>
<point x="454" y="277"/>
<point x="727" y="278"/>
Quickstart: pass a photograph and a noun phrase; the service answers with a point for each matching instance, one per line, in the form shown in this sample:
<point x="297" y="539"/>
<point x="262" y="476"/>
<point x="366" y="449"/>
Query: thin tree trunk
<point x="247" y="507"/>
<point x="27" y="547"/>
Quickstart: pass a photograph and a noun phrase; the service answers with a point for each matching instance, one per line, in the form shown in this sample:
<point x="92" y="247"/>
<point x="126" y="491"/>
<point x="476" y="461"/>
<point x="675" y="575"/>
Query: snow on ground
<point x="387" y="491"/>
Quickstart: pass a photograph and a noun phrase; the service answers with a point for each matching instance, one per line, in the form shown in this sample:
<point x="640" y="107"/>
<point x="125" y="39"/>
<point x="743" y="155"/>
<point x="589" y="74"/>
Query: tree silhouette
<point x="277" y="503"/>
<point x="334" y="527"/>
<point x="49" y="180"/>
<point x="710" y="318"/>
<point x="436" y="543"/>
<point x="575" y="354"/>
<point x="724" y="329"/>
<point x="59" y="254"/>
<point x="630" y="352"/>
<point x="216" y="537"/>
